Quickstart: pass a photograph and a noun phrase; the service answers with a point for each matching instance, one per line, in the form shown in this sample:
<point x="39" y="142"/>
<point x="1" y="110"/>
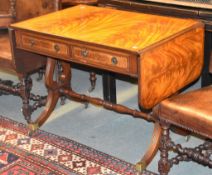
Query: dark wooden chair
<point x="18" y="63"/>
<point x="7" y="12"/>
<point x="191" y="111"/>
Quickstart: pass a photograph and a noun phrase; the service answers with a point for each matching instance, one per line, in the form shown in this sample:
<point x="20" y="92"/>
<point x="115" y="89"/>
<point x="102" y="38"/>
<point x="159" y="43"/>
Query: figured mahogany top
<point x="115" y="28"/>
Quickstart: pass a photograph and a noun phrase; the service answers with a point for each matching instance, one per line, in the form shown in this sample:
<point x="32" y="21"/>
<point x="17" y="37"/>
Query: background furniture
<point x="200" y="9"/>
<point x="76" y="2"/>
<point x="7" y="12"/>
<point x="13" y="11"/>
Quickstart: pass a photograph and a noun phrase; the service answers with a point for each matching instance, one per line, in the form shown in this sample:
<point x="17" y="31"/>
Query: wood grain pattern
<point x="115" y="28"/>
<point x="169" y="51"/>
<point x="45" y="45"/>
<point x="170" y="66"/>
<point x="102" y="58"/>
<point x="96" y="57"/>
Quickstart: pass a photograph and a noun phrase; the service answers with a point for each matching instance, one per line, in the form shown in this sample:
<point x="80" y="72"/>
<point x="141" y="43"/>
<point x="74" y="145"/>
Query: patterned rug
<point x="48" y="154"/>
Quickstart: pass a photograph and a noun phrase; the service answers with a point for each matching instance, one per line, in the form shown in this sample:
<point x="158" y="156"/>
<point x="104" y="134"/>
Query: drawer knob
<point x="114" y="60"/>
<point x="56" y="47"/>
<point x="32" y="43"/>
<point x="84" y="53"/>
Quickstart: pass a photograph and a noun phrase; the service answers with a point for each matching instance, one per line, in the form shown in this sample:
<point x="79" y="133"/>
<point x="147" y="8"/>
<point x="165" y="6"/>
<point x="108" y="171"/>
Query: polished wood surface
<point x="119" y="29"/>
<point x="122" y="42"/>
<point x="168" y="67"/>
<point x="83" y="53"/>
<point x="176" y="8"/>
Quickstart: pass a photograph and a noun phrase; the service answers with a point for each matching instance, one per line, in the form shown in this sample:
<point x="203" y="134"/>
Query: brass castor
<point x="33" y="127"/>
<point x="140" y="166"/>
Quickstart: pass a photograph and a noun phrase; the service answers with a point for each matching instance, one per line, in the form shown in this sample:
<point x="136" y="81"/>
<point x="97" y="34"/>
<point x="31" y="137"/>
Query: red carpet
<point x="48" y="154"/>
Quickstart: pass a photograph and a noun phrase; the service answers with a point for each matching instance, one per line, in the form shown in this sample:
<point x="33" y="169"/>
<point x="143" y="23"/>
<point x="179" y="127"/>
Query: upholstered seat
<point x="192" y="111"/>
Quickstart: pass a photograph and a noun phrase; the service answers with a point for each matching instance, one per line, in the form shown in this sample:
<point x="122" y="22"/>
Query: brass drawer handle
<point x="56" y="47"/>
<point x="84" y="53"/>
<point x="32" y="43"/>
<point x="114" y="60"/>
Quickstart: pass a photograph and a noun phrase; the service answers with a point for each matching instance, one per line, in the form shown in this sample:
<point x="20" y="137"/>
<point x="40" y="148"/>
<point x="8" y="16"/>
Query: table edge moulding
<point x="164" y="53"/>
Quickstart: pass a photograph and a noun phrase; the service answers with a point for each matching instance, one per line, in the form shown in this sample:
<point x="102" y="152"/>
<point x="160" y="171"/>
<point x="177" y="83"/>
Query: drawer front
<point x="44" y="45"/>
<point x="102" y="59"/>
<point x="82" y="53"/>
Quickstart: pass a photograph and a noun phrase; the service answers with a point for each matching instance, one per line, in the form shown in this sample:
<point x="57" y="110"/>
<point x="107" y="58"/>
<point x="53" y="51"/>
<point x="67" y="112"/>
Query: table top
<point x="164" y="53"/>
<point x="105" y="26"/>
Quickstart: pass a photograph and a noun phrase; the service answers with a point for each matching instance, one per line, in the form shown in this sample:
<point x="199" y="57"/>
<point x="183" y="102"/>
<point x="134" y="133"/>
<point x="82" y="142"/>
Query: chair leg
<point x="22" y="90"/>
<point x="25" y="88"/>
<point x="164" y="165"/>
<point x="5" y="86"/>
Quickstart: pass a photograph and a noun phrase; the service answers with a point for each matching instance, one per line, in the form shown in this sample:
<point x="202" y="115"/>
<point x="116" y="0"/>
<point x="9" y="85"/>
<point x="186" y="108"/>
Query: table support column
<point x="53" y="86"/>
<point x="206" y="76"/>
<point x="109" y="87"/>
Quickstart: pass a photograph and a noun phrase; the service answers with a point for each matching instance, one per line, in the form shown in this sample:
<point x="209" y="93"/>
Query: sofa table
<point x="164" y="53"/>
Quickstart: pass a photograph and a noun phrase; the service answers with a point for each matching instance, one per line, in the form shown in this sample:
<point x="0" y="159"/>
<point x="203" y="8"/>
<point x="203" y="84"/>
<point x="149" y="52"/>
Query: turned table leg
<point x="93" y="81"/>
<point x="25" y="88"/>
<point x="206" y="76"/>
<point x="109" y="87"/>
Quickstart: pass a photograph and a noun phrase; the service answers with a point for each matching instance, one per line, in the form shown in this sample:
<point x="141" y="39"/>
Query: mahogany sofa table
<point x="164" y="53"/>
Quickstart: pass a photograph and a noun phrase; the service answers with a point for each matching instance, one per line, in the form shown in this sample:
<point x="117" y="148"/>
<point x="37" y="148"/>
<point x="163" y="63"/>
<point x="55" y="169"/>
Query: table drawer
<point x="112" y="60"/>
<point x="44" y="45"/>
<point x="101" y="58"/>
